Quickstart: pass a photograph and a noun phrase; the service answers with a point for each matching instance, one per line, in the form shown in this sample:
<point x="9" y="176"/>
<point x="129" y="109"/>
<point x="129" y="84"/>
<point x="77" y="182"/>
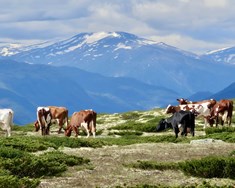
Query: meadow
<point x="127" y="152"/>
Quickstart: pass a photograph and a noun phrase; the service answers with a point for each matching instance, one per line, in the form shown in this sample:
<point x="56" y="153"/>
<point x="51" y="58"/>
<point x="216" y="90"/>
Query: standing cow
<point x="59" y="114"/>
<point x="223" y="111"/>
<point x="6" y="120"/>
<point x="179" y="120"/>
<point x="43" y="120"/>
<point x="85" y="119"/>
<point x="200" y="108"/>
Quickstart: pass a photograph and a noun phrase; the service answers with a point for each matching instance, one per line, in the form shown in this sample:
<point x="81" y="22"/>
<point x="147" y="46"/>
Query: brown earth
<point x="107" y="169"/>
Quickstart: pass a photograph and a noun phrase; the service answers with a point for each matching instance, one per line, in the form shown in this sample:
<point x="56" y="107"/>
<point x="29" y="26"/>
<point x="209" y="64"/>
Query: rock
<point x="206" y="141"/>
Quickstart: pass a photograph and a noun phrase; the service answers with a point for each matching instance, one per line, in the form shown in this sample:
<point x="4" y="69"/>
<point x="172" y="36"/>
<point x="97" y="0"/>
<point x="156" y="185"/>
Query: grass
<point x="130" y="128"/>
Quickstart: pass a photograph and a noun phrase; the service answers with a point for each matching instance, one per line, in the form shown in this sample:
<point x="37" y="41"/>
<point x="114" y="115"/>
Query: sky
<point x="197" y="26"/>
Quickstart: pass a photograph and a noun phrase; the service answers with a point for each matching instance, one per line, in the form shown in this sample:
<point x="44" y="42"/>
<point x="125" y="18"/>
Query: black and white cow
<point x="179" y="120"/>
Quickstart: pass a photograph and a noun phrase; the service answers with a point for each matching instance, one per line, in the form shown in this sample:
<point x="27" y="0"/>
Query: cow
<point x="179" y="120"/>
<point x="223" y="111"/>
<point x="6" y="120"/>
<point x="85" y="119"/>
<point x="210" y="102"/>
<point x="59" y="114"/>
<point x="200" y="109"/>
<point x="43" y="120"/>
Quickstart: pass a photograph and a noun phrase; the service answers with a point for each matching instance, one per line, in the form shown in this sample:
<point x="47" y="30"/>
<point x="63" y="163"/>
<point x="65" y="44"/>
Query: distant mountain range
<point x="112" y="72"/>
<point x="24" y="87"/>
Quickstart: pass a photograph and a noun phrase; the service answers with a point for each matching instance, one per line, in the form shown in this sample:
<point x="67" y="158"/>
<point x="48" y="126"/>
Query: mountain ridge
<point x="25" y="87"/>
<point x="120" y="54"/>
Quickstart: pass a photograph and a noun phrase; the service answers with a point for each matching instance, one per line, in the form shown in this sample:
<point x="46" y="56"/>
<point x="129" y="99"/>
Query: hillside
<point x="126" y="152"/>
<point x="25" y="87"/>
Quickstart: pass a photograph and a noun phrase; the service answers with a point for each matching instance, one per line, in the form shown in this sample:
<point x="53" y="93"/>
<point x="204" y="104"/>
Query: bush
<point x="48" y="164"/>
<point x="137" y="126"/>
<point x="126" y="133"/>
<point x="14" y="182"/>
<point x="212" y="130"/>
<point x="210" y="167"/>
<point x="152" y="165"/>
<point x="30" y="144"/>
<point x="9" y="152"/>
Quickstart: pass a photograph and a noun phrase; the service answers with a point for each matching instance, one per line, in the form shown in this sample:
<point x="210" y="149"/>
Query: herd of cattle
<point x="183" y="118"/>
<point x="213" y="112"/>
<point x="46" y="116"/>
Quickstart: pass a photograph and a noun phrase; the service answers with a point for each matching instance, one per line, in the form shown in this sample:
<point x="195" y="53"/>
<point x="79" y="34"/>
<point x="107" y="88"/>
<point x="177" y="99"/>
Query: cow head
<point x="170" y="109"/>
<point x="182" y="101"/>
<point x="163" y="125"/>
<point x="68" y="131"/>
<point x="37" y="126"/>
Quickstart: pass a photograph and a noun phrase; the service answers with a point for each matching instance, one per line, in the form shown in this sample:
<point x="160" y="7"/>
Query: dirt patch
<point x="108" y="169"/>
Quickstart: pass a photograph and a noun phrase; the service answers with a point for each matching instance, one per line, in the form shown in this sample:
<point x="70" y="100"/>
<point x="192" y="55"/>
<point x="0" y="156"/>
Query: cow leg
<point x="93" y="129"/>
<point x="75" y="129"/>
<point x="183" y="127"/>
<point x="85" y="126"/>
<point x="217" y="121"/>
<point x="176" y="130"/>
<point x="60" y="127"/>
<point x="205" y="122"/>
<point x="43" y="130"/>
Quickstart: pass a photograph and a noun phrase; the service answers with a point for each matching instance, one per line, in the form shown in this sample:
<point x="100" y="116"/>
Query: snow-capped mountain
<point x="120" y="54"/>
<point x="225" y="55"/>
<point x="10" y="49"/>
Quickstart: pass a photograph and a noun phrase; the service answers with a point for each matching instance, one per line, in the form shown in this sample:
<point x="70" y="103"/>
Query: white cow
<point x="6" y="120"/>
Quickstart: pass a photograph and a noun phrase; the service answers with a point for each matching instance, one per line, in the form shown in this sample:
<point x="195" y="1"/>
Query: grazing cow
<point x="179" y="120"/>
<point x="59" y="114"/>
<point x="43" y="120"/>
<point x="6" y="120"/>
<point x="223" y="111"/>
<point x="85" y="119"/>
<point x="200" y="109"/>
<point x="210" y="102"/>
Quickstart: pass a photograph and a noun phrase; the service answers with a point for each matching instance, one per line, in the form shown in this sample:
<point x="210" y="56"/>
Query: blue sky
<point x="194" y="25"/>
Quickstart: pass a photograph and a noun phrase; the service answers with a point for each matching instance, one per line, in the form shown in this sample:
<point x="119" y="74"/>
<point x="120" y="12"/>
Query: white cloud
<point x="191" y="25"/>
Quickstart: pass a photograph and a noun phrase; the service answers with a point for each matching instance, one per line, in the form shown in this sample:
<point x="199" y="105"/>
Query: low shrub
<point x="130" y="115"/>
<point x="30" y="144"/>
<point x="136" y="126"/>
<point x="47" y="164"/>
<point x="153" y="165"/>
<point x="126" y="133"/>
<point x="210" y="167"/>
<point x="14" y="182"/>
<point x="212" y="130"/>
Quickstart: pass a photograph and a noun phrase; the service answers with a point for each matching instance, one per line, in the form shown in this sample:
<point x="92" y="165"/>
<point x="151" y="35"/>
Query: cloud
<point x="202" y="23"/>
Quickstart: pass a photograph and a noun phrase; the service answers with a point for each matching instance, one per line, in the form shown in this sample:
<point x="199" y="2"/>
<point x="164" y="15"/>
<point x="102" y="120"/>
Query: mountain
<point x="24" y="87"/>
<point x="226" y="93"/>
<point x="225" y="55"/>
<point x="120" y="54"/>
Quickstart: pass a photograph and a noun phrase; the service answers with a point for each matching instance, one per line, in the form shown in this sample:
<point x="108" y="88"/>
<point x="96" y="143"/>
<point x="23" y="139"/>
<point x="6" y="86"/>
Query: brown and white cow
<point x="59" y="114"/>
<point x="85" y="119"/>
<point x="200" y="110"/>
<point x="223" y="112"/>
<point x="6" y="120"/>
<point x="43" y="120"/>
<point x="210" y="102"/>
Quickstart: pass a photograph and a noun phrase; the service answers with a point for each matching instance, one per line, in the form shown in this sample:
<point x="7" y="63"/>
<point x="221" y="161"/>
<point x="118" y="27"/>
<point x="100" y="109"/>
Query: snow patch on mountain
<point x="216" y="51"/>
<point x="122" y="46"/>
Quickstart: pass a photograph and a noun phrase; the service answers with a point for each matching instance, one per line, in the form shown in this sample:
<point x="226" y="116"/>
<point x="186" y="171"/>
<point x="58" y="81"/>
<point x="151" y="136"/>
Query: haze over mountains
<point x="110" y="72"/>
